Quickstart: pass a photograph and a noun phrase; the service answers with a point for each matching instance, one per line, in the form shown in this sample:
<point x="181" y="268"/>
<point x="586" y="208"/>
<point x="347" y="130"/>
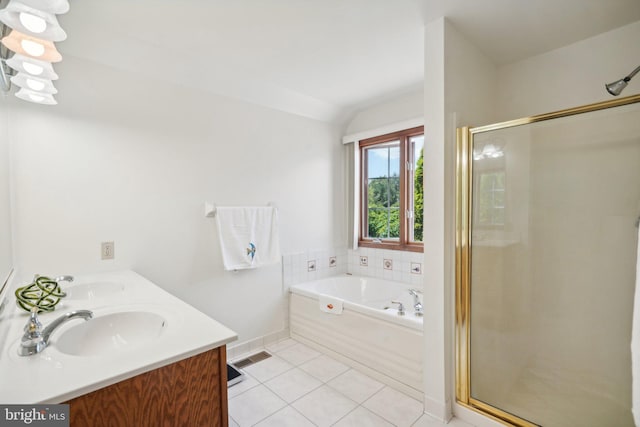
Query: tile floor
<point x="301" y="387"/>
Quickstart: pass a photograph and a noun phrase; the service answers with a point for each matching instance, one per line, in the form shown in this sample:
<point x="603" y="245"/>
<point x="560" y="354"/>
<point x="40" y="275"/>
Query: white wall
<point x="133" y="160"/>
<point x="5" y="217"/>
<point x="459" y="86"/>
<point x="397" y="109"/>
<point x="570" y="76"/>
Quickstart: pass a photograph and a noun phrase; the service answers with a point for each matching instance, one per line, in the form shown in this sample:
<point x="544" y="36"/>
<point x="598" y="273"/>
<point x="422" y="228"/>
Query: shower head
<point x="616" y="87"/>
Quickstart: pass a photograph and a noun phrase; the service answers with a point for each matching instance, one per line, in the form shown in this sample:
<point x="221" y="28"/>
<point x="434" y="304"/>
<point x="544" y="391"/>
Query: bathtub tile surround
<point x="399" y="266"/>
<point x="320" y="392"/>
<point x="311" y="265"/>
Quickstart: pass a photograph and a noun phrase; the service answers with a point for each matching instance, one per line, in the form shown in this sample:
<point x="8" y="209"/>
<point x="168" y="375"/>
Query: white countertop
<point x="54" y="377"/>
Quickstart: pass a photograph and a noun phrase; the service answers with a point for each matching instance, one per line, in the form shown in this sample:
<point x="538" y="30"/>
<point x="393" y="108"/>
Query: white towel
<point x="330" y="304"/>
<point x="248" y="236"/>
<point x="635" y="344"/>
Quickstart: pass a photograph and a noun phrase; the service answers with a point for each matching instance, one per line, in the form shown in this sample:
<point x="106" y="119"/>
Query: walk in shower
<point x="547" y="212"/>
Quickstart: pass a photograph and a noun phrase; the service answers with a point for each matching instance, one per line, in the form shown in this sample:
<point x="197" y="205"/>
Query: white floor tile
<point x="355" y="385"/>
<point x="427" y="421"/>
<point x="293" y="384"/>
<point x="268" y="368"/>
<point x="287" y="417"/>
<point x="247" y="383"/>
<point x="395" y="407"/>
<point x="281" y="345"/>
<point x="298" y="354"/>
<point x="232" y="423"/>
<point x="324" y="406"/>
<point x="324" y="368"/>
<point x="362" y="417"/>
<point x="254" y="405"/>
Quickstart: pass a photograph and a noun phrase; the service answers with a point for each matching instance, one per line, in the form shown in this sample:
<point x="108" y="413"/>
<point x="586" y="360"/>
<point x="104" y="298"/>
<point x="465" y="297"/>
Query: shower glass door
<point x="547" y="216"/>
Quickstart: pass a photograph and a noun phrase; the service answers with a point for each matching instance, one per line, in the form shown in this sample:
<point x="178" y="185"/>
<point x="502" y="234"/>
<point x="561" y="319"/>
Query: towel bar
<point x="210" y="209"/>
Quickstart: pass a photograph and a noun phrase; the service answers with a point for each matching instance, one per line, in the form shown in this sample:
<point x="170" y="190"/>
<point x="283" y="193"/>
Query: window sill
<point x="415" y="247"/>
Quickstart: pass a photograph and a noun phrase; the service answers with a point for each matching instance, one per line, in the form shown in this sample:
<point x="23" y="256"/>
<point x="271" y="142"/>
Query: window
<point x="391" y="201"/>
<point x="490" y="192"/>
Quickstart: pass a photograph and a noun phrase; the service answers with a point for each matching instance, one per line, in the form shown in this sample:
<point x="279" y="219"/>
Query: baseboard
<point x="241" y="348"/>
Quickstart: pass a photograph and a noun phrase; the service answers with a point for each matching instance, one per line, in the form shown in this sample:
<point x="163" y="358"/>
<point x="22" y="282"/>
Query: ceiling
<point x="317" y="58"/>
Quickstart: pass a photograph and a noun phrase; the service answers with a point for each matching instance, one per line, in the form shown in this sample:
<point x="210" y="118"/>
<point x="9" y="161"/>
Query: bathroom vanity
<point x="191" y="392"/>
<point x="146" y="358"/>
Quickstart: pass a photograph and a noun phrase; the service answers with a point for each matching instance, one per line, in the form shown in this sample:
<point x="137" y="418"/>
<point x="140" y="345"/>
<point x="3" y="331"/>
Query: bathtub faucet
<point x="417" y="305"/>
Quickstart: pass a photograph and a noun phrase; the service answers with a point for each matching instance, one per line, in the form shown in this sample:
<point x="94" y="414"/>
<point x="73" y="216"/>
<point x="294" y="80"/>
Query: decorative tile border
<point x="312" y="265"/>
<point x="399" y="266"/>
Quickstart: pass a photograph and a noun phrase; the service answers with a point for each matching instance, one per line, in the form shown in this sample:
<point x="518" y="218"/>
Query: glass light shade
<point x="32" y="66"/>
<point x="37" y="97"/>
<point x="34" y="83"/>
<point x="33" y="47"/>
<point x="51" y="6"/>
<point x="32" y="22"/>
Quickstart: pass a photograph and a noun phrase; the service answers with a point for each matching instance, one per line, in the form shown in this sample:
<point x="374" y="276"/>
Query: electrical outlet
<point x="107" y="250"/>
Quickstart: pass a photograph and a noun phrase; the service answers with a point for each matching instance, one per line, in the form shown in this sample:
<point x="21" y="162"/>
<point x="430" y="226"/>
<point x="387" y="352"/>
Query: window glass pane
<point x="490" y="194"/>
<point x="384" y="223"/>
<point x="383" y="160"/>
<point x="416" y="188"/>
<point x="383" y="191"/>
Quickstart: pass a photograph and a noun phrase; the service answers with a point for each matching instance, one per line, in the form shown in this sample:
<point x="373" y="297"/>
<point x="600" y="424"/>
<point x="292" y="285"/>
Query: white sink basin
<point x="109" y="333"/>
<point x="93" y="290"/>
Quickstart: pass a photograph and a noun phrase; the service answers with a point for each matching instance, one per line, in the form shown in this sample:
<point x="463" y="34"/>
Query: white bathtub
<point x="369" y="334"/>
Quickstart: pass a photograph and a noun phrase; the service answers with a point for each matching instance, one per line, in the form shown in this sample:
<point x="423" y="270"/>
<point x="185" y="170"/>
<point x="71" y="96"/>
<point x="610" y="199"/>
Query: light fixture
<point x="616" y="87"/>
<point x="489" y="151"/>
<point x="36" y="97"/>
<point x="28" y="29"/>
<point x="34" y="47"/>
<point x="34" y="83"/>
<point x="32" y="66"/>
<point x="32" y="22"/>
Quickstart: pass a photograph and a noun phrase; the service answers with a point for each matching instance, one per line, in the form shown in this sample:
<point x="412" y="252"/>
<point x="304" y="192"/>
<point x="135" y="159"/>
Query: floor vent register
<point x="234" y="376"/>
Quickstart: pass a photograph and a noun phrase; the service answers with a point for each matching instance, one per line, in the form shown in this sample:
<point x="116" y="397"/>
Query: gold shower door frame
<point x="464" y="186"/>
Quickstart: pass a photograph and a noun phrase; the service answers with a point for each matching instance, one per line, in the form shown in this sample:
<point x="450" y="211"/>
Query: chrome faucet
<point x="400" y="307"/>
<point x="417" y="305"/>
<point x="36" y="339"/>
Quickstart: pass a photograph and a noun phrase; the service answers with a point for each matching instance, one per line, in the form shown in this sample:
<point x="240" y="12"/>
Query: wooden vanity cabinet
<point x="191" y="392"/>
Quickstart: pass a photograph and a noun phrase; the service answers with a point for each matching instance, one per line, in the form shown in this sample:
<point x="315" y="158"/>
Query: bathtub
<point x="368" y="334"/>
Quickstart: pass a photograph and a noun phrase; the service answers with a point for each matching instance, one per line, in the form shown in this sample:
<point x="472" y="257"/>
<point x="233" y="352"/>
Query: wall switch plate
<point x="107" y="250"/>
